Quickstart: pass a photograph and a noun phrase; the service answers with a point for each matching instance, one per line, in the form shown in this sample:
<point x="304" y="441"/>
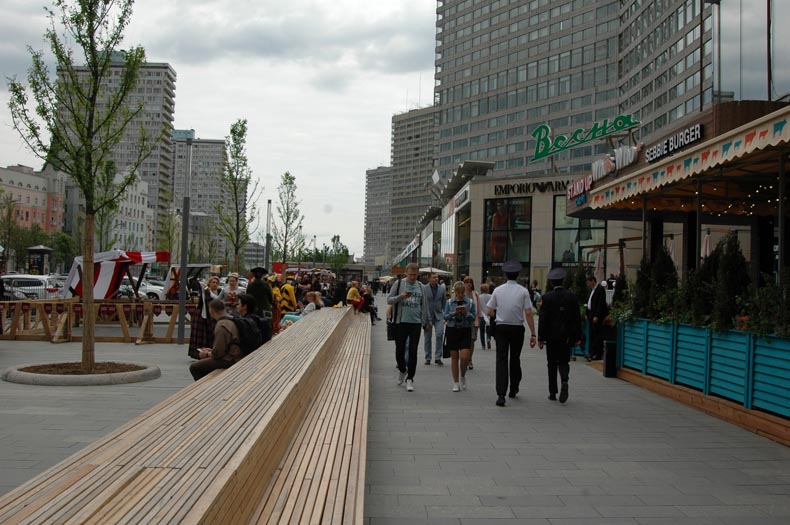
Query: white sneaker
<point x="456" y="388"/>
<point x="463" y="383"/>
<point x="409" y="385"/>
<point x="401" y="377"/>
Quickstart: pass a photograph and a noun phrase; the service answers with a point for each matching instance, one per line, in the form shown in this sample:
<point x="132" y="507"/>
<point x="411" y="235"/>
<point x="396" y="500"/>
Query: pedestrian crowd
<point x="232" y="321"/>
<point x="454" y="317"/>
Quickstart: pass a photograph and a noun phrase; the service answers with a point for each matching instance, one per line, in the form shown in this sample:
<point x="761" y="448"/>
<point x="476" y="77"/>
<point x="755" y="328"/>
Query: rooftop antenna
<point x="419" y="91"/>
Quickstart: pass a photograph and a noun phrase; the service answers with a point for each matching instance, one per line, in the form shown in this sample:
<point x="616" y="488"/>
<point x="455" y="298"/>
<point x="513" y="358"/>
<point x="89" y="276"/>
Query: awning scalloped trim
<point x="766" y="132"/>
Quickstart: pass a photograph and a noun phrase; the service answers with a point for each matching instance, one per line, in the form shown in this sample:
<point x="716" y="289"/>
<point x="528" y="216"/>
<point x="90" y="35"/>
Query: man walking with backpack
<point x="227" y="349"/>
<point x="559" y="327"/>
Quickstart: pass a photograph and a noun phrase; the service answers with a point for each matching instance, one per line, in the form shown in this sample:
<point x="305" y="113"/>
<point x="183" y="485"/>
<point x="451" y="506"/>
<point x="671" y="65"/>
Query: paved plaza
<point x="613" y="454"/>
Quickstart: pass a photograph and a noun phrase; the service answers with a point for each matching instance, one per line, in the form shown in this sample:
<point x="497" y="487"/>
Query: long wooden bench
<point x="230" y="448"/>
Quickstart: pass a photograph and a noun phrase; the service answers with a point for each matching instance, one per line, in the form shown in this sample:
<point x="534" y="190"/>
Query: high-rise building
<point x="412" y="166"/>
<point x="207" y="158"/>
<point x="156" y="91"/>
<point x="503" y="68"/>
<point x="378" y="189"/>
<point x="507" y="68"/>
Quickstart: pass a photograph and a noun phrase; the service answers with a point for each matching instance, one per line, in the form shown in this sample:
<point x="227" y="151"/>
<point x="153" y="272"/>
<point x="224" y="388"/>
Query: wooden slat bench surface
<point x="321" y="479"/>
<point x="206" y="454"/>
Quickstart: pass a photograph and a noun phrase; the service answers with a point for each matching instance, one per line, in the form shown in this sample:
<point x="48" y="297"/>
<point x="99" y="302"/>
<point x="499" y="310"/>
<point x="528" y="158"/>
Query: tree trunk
<point x="89" y="320"/>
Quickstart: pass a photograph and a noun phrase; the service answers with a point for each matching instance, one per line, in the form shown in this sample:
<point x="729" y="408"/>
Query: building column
<point x="762" y="248"/>
<point x="690" y="243"/>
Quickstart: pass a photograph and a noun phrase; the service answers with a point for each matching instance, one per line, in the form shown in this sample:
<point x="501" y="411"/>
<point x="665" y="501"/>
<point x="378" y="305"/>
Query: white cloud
<point x="318" y="82"/>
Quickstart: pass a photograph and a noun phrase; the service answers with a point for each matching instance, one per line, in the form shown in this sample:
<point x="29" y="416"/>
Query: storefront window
<point x="573" y="235"/>
<point x="508" y="233"/>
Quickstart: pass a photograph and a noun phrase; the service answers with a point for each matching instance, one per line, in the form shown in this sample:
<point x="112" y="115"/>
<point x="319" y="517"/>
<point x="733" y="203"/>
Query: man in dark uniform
<point x="259" y="288"/>
<point x="559" y="328"/>
<point x="512" y="305"/>
<point x="597" y="310"/>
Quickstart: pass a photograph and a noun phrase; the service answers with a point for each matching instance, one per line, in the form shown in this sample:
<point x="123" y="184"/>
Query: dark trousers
<point x="205" y="366"/>
<point x="407" y="332"/>
<point x="557" y="357"/>
<point x="483" y="330"/>
<point x="509" y="340"/>
<point x="596" y="338"/>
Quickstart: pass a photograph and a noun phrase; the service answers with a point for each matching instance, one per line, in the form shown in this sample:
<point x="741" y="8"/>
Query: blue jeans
<point x="438" y="329"/>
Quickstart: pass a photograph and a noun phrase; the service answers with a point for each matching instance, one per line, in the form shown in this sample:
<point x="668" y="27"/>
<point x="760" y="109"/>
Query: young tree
<point x="287" y="236"/>
<point x="168" y="238"/>
<point x="106" y="233"/>
<point x="338" y="255"/>
<point x="7" y="226"/>
<point x="65" y="250"/>
<point x="236" y="211"/>
<point x="76" y="120"/>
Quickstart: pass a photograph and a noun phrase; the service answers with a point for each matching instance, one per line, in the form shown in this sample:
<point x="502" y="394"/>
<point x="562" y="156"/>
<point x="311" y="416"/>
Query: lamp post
<point x="314" y="249"/>
<point x="182" y="288"/>
<point x="268" y="251"/>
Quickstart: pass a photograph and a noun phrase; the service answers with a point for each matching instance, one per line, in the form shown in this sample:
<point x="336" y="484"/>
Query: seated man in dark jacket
<point x="247" y="308"/>
<point x="226" y="351"/>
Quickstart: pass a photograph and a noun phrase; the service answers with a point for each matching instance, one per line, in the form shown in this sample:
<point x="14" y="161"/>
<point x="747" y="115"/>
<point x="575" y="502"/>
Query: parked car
<point x="31" y="286"/>
<point x="147" y="289"/>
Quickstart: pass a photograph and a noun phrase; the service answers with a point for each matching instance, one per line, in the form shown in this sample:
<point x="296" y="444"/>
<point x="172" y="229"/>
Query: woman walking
<point x="459" y="313"/>
<point x="469" y="290"/>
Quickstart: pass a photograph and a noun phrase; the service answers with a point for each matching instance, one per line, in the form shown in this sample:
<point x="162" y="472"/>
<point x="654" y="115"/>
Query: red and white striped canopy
<point x="108" y="271"/>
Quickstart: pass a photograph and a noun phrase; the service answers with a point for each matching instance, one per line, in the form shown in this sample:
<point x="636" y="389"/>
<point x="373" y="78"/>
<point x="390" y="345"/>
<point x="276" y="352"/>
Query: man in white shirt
<point x="513" y="306"/>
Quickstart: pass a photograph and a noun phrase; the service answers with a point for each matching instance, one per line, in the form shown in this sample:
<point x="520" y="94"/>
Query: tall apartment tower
<point x="156" y="89"/>
<point x="665" y="62"/>
<point x="208" y="160"/>
<point x="503" y="68"/>
<point x="378" y="189"/>
<point x="412" y="165"/>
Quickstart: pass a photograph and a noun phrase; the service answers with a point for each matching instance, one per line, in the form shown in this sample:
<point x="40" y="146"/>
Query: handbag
<point x="445" y="351"/>
<point x="391" y="327"/>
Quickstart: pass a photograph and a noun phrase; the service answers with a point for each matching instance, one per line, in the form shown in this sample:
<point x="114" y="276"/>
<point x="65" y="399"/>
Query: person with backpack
<point x="254" y="330"/>
<point x="560" y="327"/>
<point x="226" y="351"/>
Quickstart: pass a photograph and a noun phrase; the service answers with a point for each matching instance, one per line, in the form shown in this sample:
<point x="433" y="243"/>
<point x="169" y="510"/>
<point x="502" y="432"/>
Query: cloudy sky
<point x="319" y="81"/>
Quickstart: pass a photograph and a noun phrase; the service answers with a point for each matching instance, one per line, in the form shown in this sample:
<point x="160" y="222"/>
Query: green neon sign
<point x="545" y="146"/>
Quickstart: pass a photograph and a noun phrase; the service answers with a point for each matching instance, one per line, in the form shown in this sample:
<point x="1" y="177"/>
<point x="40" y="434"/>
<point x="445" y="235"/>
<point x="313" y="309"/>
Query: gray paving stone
<point x="464" y="511"/>
<point x="613" y="454"/>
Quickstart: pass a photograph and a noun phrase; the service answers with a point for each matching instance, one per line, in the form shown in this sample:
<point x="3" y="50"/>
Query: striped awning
<point x="765" y="132"/>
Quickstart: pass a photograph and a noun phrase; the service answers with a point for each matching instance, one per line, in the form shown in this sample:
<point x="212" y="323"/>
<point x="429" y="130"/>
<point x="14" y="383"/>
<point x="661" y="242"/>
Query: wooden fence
<point x="54" y="320"/>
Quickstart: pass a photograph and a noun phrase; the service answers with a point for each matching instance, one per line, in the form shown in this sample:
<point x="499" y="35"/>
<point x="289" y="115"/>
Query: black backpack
<point x="250" y="338"/>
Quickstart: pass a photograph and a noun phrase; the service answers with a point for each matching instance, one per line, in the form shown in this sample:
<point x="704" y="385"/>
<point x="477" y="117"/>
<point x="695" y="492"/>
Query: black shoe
<point x="552" y="397"/>
<point x="439" y="362"/>
<point x="500" y="402"/>
<point x="471" y="366"/>
<point x="564" y="393"/>
<point x="427" y="361"/>
<point x="513" y="393"/>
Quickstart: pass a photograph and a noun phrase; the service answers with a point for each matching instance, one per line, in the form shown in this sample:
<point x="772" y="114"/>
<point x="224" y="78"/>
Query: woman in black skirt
<point x="459" y="313"/>
<point x="202" y="333"/>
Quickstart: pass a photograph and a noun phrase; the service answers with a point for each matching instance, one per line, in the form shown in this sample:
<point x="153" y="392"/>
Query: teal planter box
<point x="690" y="361"/>
<point x="771" y="375"/>
<point x="735" y="365"/>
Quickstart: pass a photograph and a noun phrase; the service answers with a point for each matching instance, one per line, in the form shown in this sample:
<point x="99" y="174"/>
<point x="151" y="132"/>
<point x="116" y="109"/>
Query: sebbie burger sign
<point x="676" y="142"/>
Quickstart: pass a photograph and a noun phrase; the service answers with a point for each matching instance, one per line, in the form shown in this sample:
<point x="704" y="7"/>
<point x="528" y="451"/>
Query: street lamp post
<point x="182" y="293"/>
<point x="314" y="249"/>
<point x="268" y="250"/>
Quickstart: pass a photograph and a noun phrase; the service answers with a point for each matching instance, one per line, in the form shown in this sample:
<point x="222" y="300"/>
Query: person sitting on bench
<point x="226" y="351"/>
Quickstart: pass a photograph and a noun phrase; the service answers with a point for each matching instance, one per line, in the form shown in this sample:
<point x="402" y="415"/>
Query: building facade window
<point x="508" y="233"/>
<point x="572" y="236"/>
